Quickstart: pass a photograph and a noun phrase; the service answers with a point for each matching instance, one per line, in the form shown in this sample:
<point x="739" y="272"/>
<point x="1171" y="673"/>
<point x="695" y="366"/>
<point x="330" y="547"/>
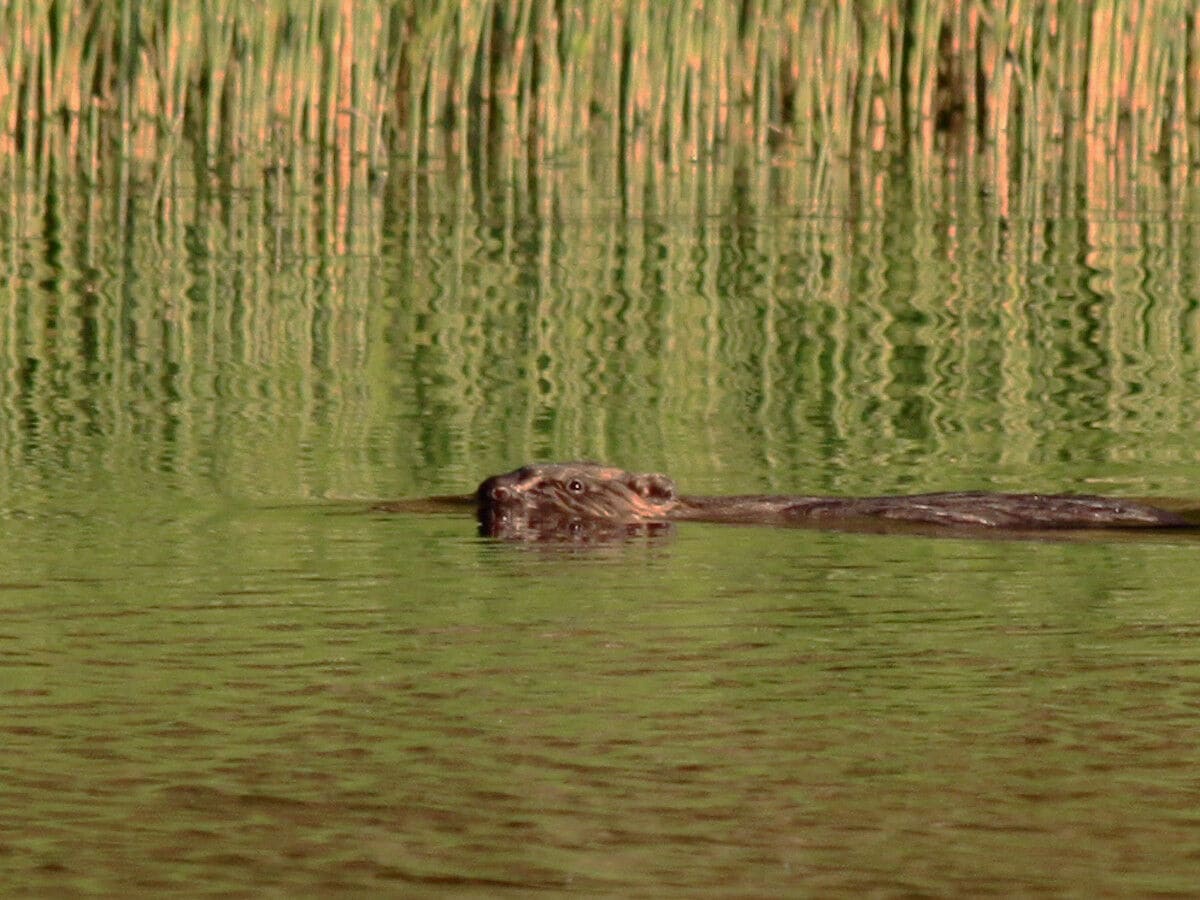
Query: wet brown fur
<point x="587" y="492"/>
<point x="585" y="497"/>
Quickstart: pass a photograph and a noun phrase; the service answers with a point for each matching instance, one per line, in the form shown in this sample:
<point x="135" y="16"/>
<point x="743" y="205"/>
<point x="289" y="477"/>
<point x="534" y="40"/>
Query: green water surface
<point x="221" y="673"/>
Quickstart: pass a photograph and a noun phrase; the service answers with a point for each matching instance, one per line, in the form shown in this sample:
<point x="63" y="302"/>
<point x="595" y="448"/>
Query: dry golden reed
<point x="366" y="81"/>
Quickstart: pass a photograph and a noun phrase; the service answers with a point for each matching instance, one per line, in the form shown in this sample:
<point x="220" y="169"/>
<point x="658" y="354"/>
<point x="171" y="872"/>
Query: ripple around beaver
<point x="590" y="502"/>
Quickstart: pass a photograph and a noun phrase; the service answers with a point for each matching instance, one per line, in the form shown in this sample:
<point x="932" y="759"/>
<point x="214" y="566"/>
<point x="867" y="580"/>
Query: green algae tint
<point x="221" y="673"/>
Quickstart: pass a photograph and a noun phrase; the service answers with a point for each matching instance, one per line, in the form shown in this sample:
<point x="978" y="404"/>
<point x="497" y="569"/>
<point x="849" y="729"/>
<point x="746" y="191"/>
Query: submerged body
<point x="589" y="500"/>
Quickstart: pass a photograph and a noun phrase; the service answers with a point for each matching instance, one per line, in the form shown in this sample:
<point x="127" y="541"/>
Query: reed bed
<point x="261" y="82"/>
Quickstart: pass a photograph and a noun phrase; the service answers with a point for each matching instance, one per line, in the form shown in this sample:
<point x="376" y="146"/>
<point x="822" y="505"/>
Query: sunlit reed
<point x="259" y="81"/>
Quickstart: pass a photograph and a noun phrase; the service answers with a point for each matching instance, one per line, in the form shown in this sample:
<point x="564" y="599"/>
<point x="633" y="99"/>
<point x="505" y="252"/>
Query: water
<point x="223" y="675"/>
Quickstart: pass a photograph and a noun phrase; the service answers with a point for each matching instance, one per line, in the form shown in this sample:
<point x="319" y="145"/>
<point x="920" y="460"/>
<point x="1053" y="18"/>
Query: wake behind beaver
<point x="590" y="500"/>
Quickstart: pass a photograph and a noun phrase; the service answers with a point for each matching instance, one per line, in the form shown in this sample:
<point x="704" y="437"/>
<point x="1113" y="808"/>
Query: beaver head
<point x="572" y="495"/>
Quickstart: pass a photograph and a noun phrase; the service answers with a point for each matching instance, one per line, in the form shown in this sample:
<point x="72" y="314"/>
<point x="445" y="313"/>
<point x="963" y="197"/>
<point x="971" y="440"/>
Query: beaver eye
<point x="575" y="486"/>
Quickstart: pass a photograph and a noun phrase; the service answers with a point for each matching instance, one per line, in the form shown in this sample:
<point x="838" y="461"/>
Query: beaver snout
<point x="493" y="491"/>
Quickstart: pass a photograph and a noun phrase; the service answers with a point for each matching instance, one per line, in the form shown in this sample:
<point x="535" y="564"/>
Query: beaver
<point x="586" y="499"/>
<point x="574" y="501"/>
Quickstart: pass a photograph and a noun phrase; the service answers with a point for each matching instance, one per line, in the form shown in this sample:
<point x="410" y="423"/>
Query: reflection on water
<point x="221" y="669"/>
<point x="714" y="323"/>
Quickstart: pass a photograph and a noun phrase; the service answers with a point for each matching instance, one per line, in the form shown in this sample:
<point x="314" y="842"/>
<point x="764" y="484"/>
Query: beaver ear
<point x="654" y="486"/>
